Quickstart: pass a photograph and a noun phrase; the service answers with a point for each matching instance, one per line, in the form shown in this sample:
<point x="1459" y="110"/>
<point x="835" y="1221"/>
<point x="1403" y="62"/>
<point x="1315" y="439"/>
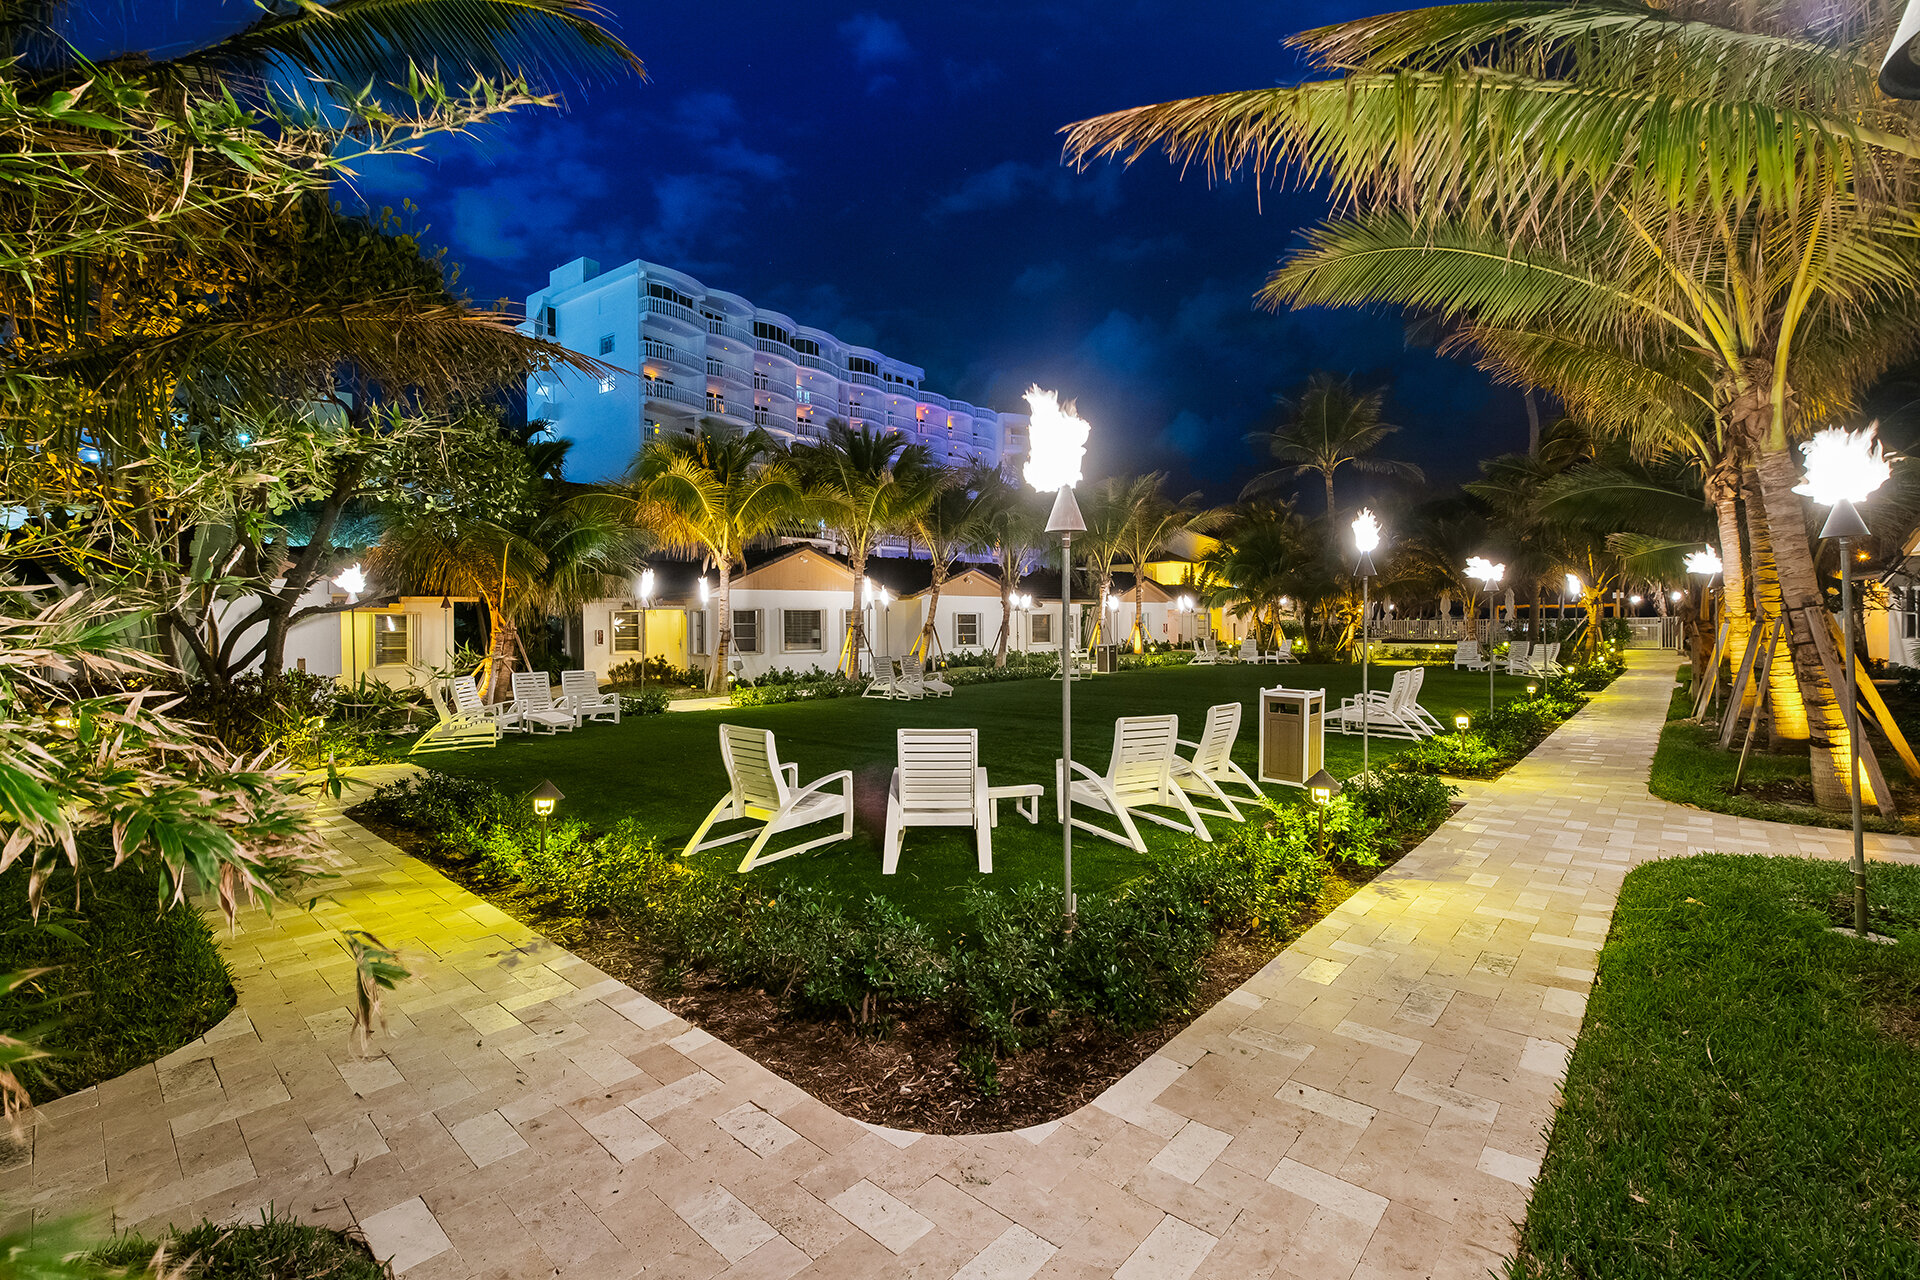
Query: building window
<point x="800" y="630"/>
<point x="860" y="364"/>
<point x="1911" y="612"/>
<point x="803" y="394"/>
<point x="759" y="379"/>
<point x="805" y="346"/>
<point x="666" y="294"/>
<point x="760" y="418"/>
<point x="966" y="630"/>
<point x="697" y="630"/>
<point x="746" y="630"/>
<point x="551" y="319"/>
<point x="606" y="383"/>
<point x="606" y="344"/>
<point x="1040" y="628"/>
<point x="391" y="632"/>
<point x="626" y="631"/>
<point x="716" y="402"/>
<point x="770" y="332"/>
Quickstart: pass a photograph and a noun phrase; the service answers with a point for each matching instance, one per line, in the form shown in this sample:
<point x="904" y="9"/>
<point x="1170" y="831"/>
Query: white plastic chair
<point x="935" y="687"/>
<point x="1466" y="655"/>
<point x="1283" y="652"/>
<point x="466" y="702"/>
<point x="1546" y="659"/>
<point x="1211" y="764"/>
<point x="1411" y="707"/>
<point x="1204" y="654"/>
<point x="761" y="789"/>
<point x="1249" y="651"/>
<point x="1519" y="658"/>
<point x="1382" y="717"/>
<point x="912" y="680"/>
<point x="938" y="783"/>
<point x="456" y="730"/>
<point x="885" y="683"/>
<point x="533" y="699"/>
<point x="580" y="694"/>
<point x="1139" y="773"/>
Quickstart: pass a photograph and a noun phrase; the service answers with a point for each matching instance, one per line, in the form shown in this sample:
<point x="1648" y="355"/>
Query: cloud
<point x="965" y="78"/>
<point x="1189" y="435"/>
<point x="735" y="156"/>
<point x="875" y="41"/>
<point x="1129" y="249"/>
<point x="1040" y="278"/>
<point x="1013" y="182"/>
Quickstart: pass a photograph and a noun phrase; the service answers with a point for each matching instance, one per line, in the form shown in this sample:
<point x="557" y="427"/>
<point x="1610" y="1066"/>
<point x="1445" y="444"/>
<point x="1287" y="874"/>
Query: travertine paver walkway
<point x="1371" y="1104"/>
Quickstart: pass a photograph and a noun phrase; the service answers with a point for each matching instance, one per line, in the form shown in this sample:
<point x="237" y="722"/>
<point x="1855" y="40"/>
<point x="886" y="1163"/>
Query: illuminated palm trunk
<point x="857" y="624"/>
<point x="723" y="631"/>
<point x="1787" y="707"/>
<point x="925" y="645"/>
<point x="1723" y="491"/>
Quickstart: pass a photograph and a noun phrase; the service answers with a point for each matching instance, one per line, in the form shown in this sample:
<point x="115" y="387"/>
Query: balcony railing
<point x="773" y="346"/>
<point x="865" y="380"/>
<point x="816" y="362"/>
<point x="657" y="390"/>
<point x="661" y="307"/>
<point x="728" y="329"/>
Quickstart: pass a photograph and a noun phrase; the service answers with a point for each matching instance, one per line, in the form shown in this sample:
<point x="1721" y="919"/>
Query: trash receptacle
<point x="1292" y="729"/>
<point x="1106" y="658"/>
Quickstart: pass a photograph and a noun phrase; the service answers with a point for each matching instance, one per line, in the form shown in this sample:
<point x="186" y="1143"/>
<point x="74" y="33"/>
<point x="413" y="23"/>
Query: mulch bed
<point x="909" y="1077"/>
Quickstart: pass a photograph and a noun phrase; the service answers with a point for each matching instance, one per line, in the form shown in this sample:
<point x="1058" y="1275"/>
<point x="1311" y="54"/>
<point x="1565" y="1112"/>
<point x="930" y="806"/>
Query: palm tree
<point x="1265" y="556"/>
<point x="1014" y="530"/>
<point x="1732" y="184"/>
<point x="1329" y="425"/>
<point x="1108" y="509"/>
<point x="955" y="521"/>
<point x="712" y="492"/>
<point x="1154" y="521"/>
<point x="865" y="485"/>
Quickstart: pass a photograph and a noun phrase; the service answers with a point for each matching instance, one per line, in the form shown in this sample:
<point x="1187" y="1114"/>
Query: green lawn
<point x="665" y="770"/>
<point x="1744" y="1099"/>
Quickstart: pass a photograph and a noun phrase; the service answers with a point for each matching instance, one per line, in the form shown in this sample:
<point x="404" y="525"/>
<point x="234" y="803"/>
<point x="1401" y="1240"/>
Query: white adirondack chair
<point x="1519" y="658"/>
<point x="938" y="783"/>
<point x="1249" y="651"/>
<point x="466" y="702"/>
<point x="533" y="699"/>
<point x="1467" y="654"/>
<point x="912" y="681"/>
<point x="1139" y="773"/>
<point x="1283" y="652"/>
<point x="762" y="790"/>
<point x="1204" y="654"/>
<point x="580" y="694"/>
<point x="1383" y="717"/>
<point x="1211" y="766"/>
<point x="885" y="682"/>
<point x="456" y="731"/>
<point x="1546" y="659"/>
<point x="931" y="682"/>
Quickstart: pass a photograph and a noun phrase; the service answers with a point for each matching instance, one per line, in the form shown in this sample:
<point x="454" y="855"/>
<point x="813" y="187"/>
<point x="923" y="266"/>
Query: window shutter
<point x="759" y="630"/>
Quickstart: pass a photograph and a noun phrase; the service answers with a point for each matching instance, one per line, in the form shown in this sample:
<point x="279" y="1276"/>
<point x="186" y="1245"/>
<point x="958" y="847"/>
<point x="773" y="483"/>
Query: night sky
<point x="892" y="174"/>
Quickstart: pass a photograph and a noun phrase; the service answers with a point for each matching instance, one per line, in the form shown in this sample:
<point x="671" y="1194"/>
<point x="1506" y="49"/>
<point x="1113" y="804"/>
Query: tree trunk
<point x="1533" y="422"/>
<point x="722" y="633"/>
<point x="1724" y="491"/>
<point x="939" y="568"/>
<point x="503" y="639"/>
<point x="1329" y="479"/>
<point x="1139" y="603"/>
<point x="1788" y="710"/>
<point x="1006" y="619"/>
<point x="1800" y="592"/>
<point x="857" y="625"/>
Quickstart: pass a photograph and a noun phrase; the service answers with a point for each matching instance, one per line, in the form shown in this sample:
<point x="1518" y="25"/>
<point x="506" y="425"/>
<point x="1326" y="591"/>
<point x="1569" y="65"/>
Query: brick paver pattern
<point x="1372" y="1103"/>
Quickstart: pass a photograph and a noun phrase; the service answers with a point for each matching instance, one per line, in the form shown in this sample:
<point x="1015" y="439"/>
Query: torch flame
<point x="1843" y="466"/>
<point x="1483" y="569"/>
<point x="1366" y="531"/>
<point x="1704" y="562"/>
<point x="1574" y="586"/>
<point x="352" y="580"/>
<point x="1057" y="437"/>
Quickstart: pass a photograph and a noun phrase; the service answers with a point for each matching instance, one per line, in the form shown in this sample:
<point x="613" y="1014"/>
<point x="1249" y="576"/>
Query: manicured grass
<point x="272" y="1249"/>
<point x="128" y="983"/>
<point x="664" y="771"/>
<point x="1744" y="1099"/>
<point x="1689" y="767"/>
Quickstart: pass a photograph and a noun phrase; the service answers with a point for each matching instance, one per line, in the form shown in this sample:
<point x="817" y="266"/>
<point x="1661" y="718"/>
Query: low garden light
<point x="1488" y="575"/>
<point x="545" y="796"/>
<point x="1843" y="469"/>
<point x="1057" y="438"/>
<point x="1322" y="787"/>
<point x="1366" y="537"/>
<point x="1532" y="688"/>
<point x="1462" y="722"/>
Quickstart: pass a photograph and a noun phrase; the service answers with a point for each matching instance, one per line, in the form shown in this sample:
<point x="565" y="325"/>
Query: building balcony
<point x="728" y="329"/>
<point x="669" y="394"/>
<point x="774" y="347"/>
<point x="865" y="380"/>
<point x="673" y="310"/>
<point x="818" y="362"/>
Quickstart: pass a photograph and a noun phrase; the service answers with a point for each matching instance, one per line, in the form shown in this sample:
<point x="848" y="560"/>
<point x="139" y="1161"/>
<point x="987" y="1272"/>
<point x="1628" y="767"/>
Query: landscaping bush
<point x="794" y="686"/>
<point x="127" y="981"/>
<point x="273" y="1249"/>
<point x="625" y="676"/>
<point x="1401" y="802"/>
<point x="647" y="702"/>
<point x="301" y="717"/>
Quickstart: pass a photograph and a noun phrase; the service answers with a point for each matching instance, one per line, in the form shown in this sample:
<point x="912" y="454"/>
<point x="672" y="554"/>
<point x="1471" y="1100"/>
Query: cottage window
<point x="800" y="630"/>
<point x="697" y="630"/>
<point x="1040" y="628"/>
<point x="746" y="630"/>
<point x="391" y="633"/>
<point x="626" y="631"/>
<point x="966" y="630"/>
<point x="606" y="344"/>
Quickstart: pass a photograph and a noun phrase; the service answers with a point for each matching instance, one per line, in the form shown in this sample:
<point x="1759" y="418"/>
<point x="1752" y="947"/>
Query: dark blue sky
<point x="891" y="173"/>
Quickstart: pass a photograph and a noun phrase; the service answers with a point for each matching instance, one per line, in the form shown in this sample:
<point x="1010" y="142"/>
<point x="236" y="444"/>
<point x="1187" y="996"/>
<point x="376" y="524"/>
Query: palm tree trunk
<point x="1328" y="476"/>
<point x="1788" y="714"/>
<point x="857" y="627"/>
<point x="1006" y="620"/>
<point x="1800" y="593"/>
<point x="503" y="640"/>
<point x="1733" y="578"/>
<point x="939" y="568"/>
<point x="723" y="633"/>
<point x="1139" y="604"/>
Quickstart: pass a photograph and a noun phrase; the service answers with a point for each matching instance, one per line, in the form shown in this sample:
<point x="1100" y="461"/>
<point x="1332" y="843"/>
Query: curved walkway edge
<point x="1372" y="1103"/>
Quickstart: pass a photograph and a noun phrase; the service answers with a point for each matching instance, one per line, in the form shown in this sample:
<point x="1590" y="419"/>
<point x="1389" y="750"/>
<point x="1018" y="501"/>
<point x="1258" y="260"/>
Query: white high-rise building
<point x="684" y="352"/>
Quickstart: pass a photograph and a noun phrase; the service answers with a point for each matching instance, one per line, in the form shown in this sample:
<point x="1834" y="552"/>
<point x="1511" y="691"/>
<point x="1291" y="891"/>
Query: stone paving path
<point x="1371" y="1104"/>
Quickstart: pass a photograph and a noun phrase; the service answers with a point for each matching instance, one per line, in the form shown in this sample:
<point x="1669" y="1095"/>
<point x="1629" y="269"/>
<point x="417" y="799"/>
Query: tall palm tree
<point x="1108" y="509"/>
<point x="1733" y="184"/>
<point x="955" y="521"/>
<point x="1153" y="522"/>
<point x="865" y="485"/>
<point x="713" y="492"/>
<point x="1265" y="555"/>
<point x="1014" y="530"/>
<point x="1326" y="426"/>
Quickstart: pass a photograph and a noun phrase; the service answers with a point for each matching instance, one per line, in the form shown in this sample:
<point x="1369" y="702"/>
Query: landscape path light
<point x="1057" y="438"/>
<point x="544" y="797"/>
<point x="1843" y="469"/>
<point x="1488" y="575"/>
<point x="1366" y="537"/>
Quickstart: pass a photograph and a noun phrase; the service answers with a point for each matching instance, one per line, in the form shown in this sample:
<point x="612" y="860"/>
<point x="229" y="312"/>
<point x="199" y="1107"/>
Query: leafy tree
<point x="1155" y="520"/>
<point x="1014" y="529"/>
<point x="712" y="493"/>
<point x="954" y="522"/>
<point x="1326" y="426"/>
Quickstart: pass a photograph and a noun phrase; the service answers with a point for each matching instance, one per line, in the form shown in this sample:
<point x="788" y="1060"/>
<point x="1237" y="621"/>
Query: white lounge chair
<point x="935" y="687"/>
<point x="466" y="702"/>
<point x="1283" y="652"/>
<point x="1382" y="717"/>
<point x="1082" y="665"/>
<point x="938" y="783"/>
<point x="533" y="699"/>
<point x="1467" y="655"/>
<point x="1546" y="659"/>
<point x="1139" y="773"/>
<point x="580" y="694"/>
<point x="1519" y="658"/>
<point x="456" y="731"/>
<point x="1249" y="651"/>
<point x="1211" y="765"/>
<point x="761" y="789"/>
<point x="1204" y="653"/>
<point x="885" y="682"/>
<point x="1411" y="706"/>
